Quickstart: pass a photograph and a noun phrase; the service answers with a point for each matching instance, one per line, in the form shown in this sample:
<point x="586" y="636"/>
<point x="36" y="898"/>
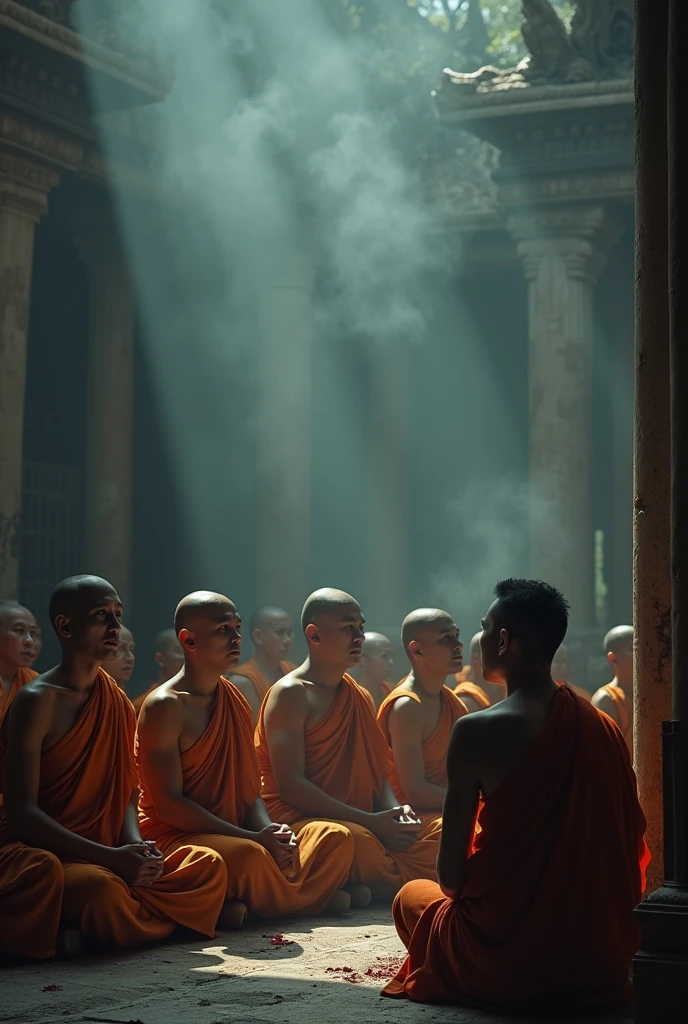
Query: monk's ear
<point x="62" y="626"/>
<point x="503" y="641"/>
<point x="159" y="659"/>
<point x="256" y="637"/>
<point x="611" y="658"/>
<point x="312" y="633"/>
<point x="414" y="648"/>
<point x="186" y="640"/>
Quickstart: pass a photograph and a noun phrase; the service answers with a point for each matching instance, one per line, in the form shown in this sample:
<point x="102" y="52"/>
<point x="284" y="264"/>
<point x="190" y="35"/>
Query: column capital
<point x="24" y="186"/>
<point x="576" y="236"/>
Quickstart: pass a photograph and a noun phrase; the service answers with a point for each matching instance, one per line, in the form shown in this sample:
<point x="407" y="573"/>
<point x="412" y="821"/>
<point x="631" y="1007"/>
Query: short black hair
<point x="536" y="613"/>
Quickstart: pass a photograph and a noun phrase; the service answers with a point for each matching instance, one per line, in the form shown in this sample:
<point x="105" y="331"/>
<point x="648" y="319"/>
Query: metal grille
<point x="51" y="530"/>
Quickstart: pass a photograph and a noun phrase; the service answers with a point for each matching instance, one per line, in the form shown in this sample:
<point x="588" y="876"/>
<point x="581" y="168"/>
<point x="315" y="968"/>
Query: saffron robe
<point x="21" y="677"/>
<point x="623" y="711"/>
<point x="434" y="747"/>
<point x="251" y="671"/>
<point x="348" y="757"/>
<point x="221" y="774"/>
<point x="475" y="692"/>
<point x="86" y="781"/>
<point x="545" y="916"/>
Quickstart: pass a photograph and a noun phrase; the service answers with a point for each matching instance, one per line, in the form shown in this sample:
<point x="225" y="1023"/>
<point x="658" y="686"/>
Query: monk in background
<point x="169" y="658"/>
<point x="18" y="632"/>
<point x="71" y="853"/>
<point x="120" y="666"/>
<point x="200" y="781"/>
<point x="473" y="689"/>
<point x="37" y="645"/>
<point x="561" y="672"/>
<point x="616" y="698"/>
<point x="322" y="755"/>
<point x="418" y="716"/>
<point x="377" y="663"/>
<point x="272" y="635"/>
<point x="540" y="915"/>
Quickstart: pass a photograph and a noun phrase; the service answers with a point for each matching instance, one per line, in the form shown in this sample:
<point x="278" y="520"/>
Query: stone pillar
<point x="562" y="253"/>
<point x="389" y="458"/>
<point x="283" y="425"/>
<point x="110" y="405"/>
<point x="660" y="969"/>
<point x="24" y="188"/>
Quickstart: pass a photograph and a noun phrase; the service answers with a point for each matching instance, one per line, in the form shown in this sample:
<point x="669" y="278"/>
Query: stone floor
<point x="235" y="977"/>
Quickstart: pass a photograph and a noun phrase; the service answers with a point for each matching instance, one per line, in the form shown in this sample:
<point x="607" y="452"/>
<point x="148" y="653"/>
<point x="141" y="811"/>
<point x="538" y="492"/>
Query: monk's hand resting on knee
<point x="397" y="828"/>
<point x="280" y="842"/>
<point x="135" y="864"/>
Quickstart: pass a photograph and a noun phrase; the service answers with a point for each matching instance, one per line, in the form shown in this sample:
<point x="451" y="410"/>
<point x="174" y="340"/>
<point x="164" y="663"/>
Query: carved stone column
<point x="562" y="254"/>
<point x="24" y="188"/>
<point x="110" y="405"/>
<point x="388" y="459"/>
<point x="284" y="457"/>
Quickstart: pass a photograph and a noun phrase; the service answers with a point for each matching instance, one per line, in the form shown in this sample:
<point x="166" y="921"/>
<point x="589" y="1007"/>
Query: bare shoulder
<point x="502" y="723"/>
<point x="288" y="698"/>
<point x="40" y="692"/>
<point x="163" y="706"/>
<point x="601" y="699"/>
<point x="405" y="709"/>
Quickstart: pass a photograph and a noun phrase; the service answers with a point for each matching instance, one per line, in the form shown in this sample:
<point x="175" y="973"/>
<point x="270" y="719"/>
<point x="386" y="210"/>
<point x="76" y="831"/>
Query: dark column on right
<point x="660" y="969"/>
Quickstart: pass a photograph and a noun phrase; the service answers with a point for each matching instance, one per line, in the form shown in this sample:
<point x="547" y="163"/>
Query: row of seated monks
<point x="510" y="839"/>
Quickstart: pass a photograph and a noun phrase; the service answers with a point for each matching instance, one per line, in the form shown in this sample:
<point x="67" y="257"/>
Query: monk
<point x="561" y="672"/>
<point x="169" y="658"/>
<point x="322" y="755"/>
<point x="540" y="915"/>
<point x="18" y="631"/>
<point x="616" y="698"/>
<point x="272" y="635"/>
<point x="200" y="780"/>
<point x="473" y="689"/>
<point x="71" y="853"/>
<point x="37" y="645"/>
<point x="377" y="662"/>
<point x="121" y="665"/>
<point x="418" y="716"/>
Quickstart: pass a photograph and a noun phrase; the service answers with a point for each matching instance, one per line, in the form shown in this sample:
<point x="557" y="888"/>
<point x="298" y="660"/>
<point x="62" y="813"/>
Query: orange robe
<point x="86" y="781"/>
<point x="623" y="711"/>
<point x="348" y="757"/>
<point x="545" y="915"/>
<point x="475" y="692"/>
<point x="434" y="747"/>
<point x="221" y="774"/>
<point x="138" y="701"/>
<point x="251" y="671"/>
<point x="21" y="678"/>
<point x="578" y="690"/>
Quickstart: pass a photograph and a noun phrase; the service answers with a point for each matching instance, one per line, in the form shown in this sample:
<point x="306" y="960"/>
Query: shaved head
<point x="619" y="638"/>
<point x="264" y="616"/>
<point x="374" y="641"/>
<point x="166" y="639"/>
<point x="76" y="593"/>
<point x="202" y="604"/>
<point x="418" y="623"/>
<point x="13" y="609"/>
<point x="324" y="603"/>
<point x="475" y="645"/>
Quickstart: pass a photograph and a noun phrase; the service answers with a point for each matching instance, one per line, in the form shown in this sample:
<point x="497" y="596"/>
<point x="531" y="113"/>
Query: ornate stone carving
<point x="56" y="10"/>
<point x="24" y="186"/>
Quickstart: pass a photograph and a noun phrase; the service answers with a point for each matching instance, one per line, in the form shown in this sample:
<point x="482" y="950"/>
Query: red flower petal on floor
<point x="51" y="988"/>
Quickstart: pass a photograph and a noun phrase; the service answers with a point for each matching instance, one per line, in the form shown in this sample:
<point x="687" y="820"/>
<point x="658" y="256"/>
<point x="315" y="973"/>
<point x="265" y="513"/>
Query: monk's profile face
<point x="439" y="647"/>
<point x="91" y="625"/>
<point x="338" y="635"/>
<point x="213" y="638"/>
<point x="377" y="658"/>
<point x="171" y="658"/>
<point x="17" y="635"/>
<point x="621" y="659"/>
<point x="491" y="648"/>
<point x="37" y="644"/>
<point x="121" y="665"/>
<point x="275" y="637"/>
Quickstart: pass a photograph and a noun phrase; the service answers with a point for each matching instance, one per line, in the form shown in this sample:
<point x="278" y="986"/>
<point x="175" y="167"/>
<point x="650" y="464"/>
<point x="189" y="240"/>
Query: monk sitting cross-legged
<point x="322" y="754"/>
<point x="377" y="662"/>
<point x="18" y="633"/>
<point x="168" y="657"/>
<point x="536" y="913"/>
<point x="418" y="716"/>
<point x="616" y="698"/>
<point x="473" y="689"/>
<point x="70" y="848"/>
<point x="272" y="634"/>
<point x="200" y="780"/>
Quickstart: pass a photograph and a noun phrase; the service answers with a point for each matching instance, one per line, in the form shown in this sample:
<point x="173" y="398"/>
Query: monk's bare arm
<point x="603" y="702"/>
<point x="460" y="805"/>
<point x="248" y="692"/>
<point x="406" y="735"/>
<point x="285" y="722"/>
<point x="159" y="729"/>
<point x="29" y="722"/>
